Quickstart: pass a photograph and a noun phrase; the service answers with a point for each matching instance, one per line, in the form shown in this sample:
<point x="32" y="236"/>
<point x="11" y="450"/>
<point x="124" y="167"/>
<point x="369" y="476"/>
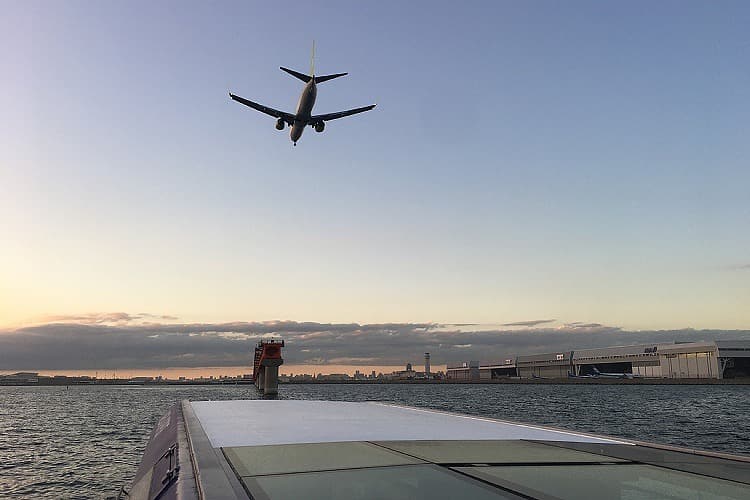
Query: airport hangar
<point x="687" y="360"/>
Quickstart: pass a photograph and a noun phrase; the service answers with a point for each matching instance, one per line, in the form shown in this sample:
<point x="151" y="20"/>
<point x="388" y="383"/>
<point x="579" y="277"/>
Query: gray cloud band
<point x="60" y="346"/>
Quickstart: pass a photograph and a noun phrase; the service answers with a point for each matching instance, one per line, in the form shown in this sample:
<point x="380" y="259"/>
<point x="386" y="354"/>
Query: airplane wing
<point x="288" y="117"/>
<point x="339" y="114"/>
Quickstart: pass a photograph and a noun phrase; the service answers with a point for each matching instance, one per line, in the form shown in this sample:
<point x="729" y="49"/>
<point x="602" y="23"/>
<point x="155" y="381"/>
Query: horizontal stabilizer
<point x="296" y="74"/>
<point x="325" y="78"/>
<point x="339" y="114"/>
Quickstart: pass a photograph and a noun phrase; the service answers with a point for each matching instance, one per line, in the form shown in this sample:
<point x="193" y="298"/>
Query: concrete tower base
<point x="271" y="380"/>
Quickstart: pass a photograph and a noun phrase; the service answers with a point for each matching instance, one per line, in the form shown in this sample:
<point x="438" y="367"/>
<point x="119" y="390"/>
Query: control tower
<point x="427" y="364"/>
<point x="266" y="365"/>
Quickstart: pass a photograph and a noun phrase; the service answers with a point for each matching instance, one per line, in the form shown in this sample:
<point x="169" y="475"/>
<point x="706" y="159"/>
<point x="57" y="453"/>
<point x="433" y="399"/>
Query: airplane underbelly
<point x="305" y="105"/>
<point x="304" y="111"/>
<point x="296" y="132"/>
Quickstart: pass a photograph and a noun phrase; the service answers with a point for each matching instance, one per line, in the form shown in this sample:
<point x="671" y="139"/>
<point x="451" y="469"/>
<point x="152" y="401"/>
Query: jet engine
<point x="280" y="124"/>
<point x="320" y="126"/>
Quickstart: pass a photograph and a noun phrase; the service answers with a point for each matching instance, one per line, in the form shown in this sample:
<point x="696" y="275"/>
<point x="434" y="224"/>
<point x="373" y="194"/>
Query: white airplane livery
<point x="303" y="116"/>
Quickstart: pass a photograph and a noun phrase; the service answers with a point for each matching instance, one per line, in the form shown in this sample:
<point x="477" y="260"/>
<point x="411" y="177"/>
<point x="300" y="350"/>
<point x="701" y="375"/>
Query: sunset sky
<point x="585" y="163"/>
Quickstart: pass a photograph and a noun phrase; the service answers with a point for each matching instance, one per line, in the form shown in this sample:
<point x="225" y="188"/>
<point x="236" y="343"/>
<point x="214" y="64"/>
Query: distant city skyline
<point x="530" y="168"/>
<point x="174" y="373"/>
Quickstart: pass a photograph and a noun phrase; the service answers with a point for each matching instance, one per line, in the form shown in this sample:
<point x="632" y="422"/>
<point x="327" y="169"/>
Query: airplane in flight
<point x="303" y="117"/>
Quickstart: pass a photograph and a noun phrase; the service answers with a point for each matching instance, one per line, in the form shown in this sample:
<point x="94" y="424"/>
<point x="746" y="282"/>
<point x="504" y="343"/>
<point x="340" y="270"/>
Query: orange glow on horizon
<point x="175" y="373"/>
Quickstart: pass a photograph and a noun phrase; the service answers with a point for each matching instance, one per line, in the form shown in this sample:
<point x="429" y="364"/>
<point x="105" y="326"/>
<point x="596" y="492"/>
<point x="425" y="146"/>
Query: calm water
<point x="85" y="442"/>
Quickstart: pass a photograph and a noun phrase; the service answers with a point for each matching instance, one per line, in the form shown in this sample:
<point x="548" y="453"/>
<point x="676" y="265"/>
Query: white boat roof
<point x="275" y="422"/>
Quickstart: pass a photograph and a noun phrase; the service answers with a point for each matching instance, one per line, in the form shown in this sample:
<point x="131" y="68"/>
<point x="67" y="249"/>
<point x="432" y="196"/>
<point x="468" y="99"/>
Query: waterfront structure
<point x="552" y="365"/>
<point x="408" y="374"/>
<point x="34" y="378"/>
<point x="682" y="360"/>
<point x="140" y="380"/>
<point x="734" y="358"/>
<point x="333" y="377"/>
<point x="427" y="364"/>
<point x="19" y="378"/>
<point x="266" y="365"/>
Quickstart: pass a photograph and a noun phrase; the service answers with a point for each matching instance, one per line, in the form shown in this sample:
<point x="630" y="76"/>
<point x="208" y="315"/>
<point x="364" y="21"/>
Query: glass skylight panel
<point x="409" y="482"/>
<point x="473" y="452"/>
<point x="625" y="481"/>
<point x="287" y="458"/>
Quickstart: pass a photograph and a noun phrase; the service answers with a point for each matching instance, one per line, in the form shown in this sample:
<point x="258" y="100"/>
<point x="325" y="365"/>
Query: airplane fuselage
<point x="304" y="110"/>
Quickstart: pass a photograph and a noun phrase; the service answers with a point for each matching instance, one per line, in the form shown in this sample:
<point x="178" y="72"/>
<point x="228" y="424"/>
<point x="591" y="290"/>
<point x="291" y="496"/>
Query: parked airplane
<point x="303" y="117"/>
<point x="597" y="373"/>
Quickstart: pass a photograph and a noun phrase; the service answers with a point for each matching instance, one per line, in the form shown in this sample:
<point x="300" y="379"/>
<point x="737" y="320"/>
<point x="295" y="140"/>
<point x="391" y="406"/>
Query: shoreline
<point x="511" y="381"/>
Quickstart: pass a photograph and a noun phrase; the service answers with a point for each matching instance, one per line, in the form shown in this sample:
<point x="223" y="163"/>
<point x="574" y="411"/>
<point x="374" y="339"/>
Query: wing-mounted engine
<point x="280" y="124"/>
<point x="320" y="126"/>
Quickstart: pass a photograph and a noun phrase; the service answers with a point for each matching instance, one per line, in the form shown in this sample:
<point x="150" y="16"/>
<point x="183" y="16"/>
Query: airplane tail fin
<point x="296" y="74"/>
<point x="312" y="60"/>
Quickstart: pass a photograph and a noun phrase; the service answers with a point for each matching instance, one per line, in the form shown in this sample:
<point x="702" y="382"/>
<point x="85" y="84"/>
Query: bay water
<point x="87" y="441"/>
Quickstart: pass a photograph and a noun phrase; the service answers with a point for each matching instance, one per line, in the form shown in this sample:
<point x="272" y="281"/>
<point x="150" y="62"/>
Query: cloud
<point x="579" y="327"/>
<point x="733" y="267"/>
<point x="95" y="344"/>
<point x="94" y="318"/>
<point x="533" y="322"/>
<point x="164" y="317"/>
<point x="105" y="318"/>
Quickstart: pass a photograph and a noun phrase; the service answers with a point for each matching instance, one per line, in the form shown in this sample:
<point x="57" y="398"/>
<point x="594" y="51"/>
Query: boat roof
<point x="269" y="449"/>
<point x="269" y="422"/>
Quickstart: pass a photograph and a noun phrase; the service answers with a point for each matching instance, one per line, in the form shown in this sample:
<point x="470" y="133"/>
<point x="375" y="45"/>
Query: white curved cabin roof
<point x="272" y="422"/>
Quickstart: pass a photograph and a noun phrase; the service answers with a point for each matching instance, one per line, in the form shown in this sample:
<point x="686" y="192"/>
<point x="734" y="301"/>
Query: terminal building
<point x="688" y="360"/>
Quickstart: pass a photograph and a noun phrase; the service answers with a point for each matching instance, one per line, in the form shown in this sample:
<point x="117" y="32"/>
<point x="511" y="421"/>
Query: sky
<point x="582" y="162"/>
